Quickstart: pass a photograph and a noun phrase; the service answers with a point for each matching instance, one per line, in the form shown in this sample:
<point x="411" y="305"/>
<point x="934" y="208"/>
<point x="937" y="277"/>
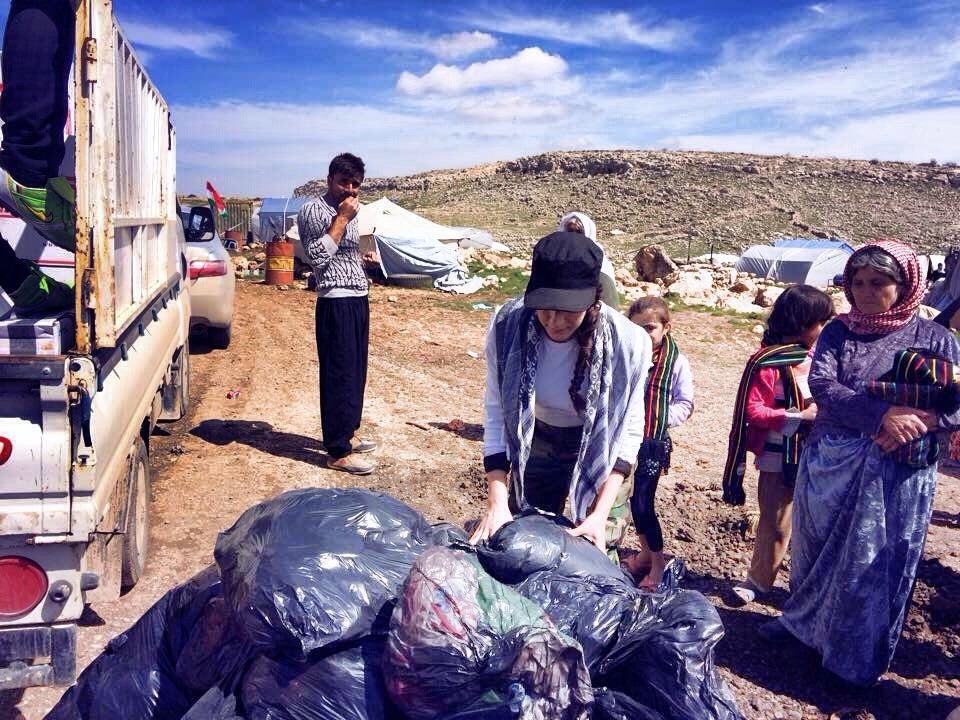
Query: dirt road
<point x="426" y="368"/>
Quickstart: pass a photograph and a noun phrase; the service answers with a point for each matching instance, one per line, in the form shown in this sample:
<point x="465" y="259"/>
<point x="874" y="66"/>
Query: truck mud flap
<point x="20" y="648"/>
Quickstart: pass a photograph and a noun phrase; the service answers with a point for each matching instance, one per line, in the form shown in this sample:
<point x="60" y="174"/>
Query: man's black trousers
<point x="343" y="327"/>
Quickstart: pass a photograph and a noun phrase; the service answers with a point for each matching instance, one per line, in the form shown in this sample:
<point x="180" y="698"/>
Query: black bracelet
<point x="497" y="461"/>
<point x="623" y="467"/>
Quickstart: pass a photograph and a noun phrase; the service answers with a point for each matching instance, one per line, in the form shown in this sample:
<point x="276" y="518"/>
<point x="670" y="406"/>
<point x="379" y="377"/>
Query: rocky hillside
<point x="688" y="201"/>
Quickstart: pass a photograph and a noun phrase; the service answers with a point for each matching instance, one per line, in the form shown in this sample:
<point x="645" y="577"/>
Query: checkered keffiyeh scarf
<point x="610" y="381"/>
<point x="915" y="279"/>
<point x="923" y="381"/>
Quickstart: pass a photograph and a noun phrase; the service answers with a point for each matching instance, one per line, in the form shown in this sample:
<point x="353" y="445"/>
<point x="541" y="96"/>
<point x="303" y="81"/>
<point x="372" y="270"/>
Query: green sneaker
<point x="40" y="294"/>
<point x="48" y="209"/>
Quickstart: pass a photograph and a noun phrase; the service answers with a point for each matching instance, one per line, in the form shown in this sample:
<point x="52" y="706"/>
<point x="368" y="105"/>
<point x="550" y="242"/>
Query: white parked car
<point x="211" y="279"/>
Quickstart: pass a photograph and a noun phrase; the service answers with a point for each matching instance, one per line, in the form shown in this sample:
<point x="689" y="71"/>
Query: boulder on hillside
<point x="693" y="286"/>
<point x="625" y="278"/>
<point x="767" y="296"/>
<point x="744" y="285"/>
<point x="654" y="264"/>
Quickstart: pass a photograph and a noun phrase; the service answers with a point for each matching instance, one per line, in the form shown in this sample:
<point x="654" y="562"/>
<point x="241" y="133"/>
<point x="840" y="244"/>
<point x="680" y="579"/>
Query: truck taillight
<point x="207" y="268"/>
<point x="6" y="449"/>
<point x="23" y="584"/>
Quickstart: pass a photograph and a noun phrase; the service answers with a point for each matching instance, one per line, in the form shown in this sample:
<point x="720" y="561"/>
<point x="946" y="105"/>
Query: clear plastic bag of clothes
<point x="462" y="642"/>
<point x="313" y="567"/>
<point x="346" y="684"/>
<point x="164" y="663"/>
<point x="655" y="648"/>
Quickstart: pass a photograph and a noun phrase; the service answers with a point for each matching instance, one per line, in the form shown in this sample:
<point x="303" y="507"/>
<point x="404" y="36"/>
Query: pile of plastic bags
<point x="348" y="605"/>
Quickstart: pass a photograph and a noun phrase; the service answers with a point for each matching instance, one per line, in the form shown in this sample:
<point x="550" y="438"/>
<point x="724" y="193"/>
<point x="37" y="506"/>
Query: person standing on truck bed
<point x="37" y="53"/>
<point x="328" y="231"/>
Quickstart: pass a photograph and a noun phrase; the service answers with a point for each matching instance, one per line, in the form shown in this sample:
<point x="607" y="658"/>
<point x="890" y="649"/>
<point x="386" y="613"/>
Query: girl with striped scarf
<point x="668" y="401"/>
<point x="772" y="413"/>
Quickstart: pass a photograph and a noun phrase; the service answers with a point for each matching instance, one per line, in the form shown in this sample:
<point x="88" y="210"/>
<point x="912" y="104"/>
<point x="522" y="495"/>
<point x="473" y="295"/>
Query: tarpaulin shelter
<point x="278" y="215"/>
<point x="797" y="260"/>
<point x="385" y="219"/>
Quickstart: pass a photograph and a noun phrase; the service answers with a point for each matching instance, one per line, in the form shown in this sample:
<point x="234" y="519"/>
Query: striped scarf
<point x="779" y="356"/>
<point x="923" y="381"/>
<point x="657" y="397"/>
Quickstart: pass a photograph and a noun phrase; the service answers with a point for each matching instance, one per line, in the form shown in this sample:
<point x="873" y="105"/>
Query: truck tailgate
<point x="34" y="448"/>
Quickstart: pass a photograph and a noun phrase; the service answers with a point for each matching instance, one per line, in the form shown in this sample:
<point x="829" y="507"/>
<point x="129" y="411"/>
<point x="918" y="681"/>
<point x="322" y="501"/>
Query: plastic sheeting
<point x="655" y="648"/>
<point x="460" y="640"/>
<point x="296" y="630"/>
<point x="164" y="663"/>
<point x="315" y="566"/>
<point x="346" y="684"/>
<point x="811" y="266"/>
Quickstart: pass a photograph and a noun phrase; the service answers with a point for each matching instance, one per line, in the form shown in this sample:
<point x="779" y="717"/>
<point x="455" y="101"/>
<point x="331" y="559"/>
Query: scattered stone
<point x="391" y="298"/>
<point x="653" y="264"/>
<point x="767" y="296"/>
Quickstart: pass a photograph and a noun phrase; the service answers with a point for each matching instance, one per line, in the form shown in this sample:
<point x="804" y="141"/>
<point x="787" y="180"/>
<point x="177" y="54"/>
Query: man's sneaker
<point x="48" y="209"/>
<point x="40" y="294"/>
<point x="362" y="446"/>
<point x="352" y="464"/>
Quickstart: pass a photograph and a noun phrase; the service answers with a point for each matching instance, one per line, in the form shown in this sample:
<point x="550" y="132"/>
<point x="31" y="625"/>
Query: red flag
<point x="216" y="202"/>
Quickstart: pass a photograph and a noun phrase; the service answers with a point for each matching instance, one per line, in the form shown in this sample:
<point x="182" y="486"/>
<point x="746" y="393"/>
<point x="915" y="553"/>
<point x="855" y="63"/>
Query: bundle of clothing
<point x="921" y="380"/>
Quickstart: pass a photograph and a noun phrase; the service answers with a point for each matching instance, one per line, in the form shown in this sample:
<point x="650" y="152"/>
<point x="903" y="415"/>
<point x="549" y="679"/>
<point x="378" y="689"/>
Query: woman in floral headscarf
<point x="861" y="509"/>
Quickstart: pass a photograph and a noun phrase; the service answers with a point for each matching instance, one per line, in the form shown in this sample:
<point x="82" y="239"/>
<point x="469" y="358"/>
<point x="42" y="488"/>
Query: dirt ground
<point x="427" y="368"/>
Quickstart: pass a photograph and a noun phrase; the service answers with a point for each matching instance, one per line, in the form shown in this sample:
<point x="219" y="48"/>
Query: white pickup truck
<point x="81" y="392"/>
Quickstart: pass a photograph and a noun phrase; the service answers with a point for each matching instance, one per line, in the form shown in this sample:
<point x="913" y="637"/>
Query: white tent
<point x="809" y="265"/>
<point x="386" y="219"/>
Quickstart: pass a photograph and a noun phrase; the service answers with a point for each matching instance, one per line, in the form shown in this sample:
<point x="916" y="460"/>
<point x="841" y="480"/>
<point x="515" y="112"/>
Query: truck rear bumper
<point x="24" y="650"/>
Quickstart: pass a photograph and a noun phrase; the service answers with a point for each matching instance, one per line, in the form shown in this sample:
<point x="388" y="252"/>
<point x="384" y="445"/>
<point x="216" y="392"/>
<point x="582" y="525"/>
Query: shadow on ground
<point x="261" y="436"/>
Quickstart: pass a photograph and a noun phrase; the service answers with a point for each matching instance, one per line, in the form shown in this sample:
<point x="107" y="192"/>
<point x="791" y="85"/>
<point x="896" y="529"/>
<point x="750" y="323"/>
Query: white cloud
<point x="462" y="44"/>
<point x="819" y="9"/>
<point x="908" y="136"/>
<point x="529" y="65"/>
<point x="451" y="46"/>
<point x="601" y="29"/>
<point x="203" y="43"/>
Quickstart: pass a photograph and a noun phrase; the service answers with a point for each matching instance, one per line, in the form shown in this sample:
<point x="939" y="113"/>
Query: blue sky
<point x="263" y="94"/>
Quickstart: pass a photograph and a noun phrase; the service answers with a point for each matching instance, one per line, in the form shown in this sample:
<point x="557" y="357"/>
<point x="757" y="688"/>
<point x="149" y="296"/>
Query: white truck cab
<point x="81" y="392"/>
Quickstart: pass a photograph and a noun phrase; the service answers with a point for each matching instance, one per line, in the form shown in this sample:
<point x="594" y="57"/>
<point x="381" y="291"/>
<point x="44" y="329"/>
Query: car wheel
<point x="136" y="537"/>
<point x="410" y="280"/>
<point x="219" y="337"/>
<point x="184" y="380"/>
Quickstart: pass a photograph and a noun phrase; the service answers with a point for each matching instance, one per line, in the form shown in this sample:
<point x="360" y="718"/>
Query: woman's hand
<point x="498" y="507"/>
<point x="903" y="424"/>
<point x="594" y="529"/>
<point x="809" y="413"/>
<point x="888" y="443"/>
<point x="495" y="518"/>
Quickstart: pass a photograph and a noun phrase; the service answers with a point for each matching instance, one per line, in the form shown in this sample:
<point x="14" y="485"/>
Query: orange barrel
<point x="279" y="263"/>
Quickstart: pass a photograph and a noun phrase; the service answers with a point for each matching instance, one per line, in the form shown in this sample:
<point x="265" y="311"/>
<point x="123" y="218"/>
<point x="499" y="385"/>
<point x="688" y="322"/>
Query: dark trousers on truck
<point x="342" y="328"/>
<point x="37" y="53"/>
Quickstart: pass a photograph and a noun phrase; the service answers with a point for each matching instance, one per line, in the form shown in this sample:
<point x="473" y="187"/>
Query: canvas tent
<point x="278" y="215"/>
<point x="406" y="244"/>
<point x="796" y="260"/>
<point x="386" y="219"/>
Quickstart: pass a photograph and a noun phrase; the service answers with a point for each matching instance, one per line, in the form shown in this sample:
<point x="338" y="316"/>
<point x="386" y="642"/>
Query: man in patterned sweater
<point x="328" y="231"/>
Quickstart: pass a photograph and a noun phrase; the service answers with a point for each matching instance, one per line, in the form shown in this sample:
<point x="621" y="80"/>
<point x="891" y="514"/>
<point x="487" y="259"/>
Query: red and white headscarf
<point x="911" y="293"/>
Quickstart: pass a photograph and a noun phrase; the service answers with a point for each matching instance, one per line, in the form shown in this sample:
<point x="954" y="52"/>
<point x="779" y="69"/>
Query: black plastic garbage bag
<point x="214" y="705"/>
<point x="136" y="677"/>
<point x="344" y="685"/>
<point x="613" y="705"/>
<point x="668" y="641"/>
<point x="655" y="648"/>
<point x="460" y="641"/>
<point x="316" y="566"/>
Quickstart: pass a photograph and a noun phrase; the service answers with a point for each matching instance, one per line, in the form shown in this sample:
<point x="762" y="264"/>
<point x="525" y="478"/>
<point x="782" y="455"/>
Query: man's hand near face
<point x="348" y="208"/>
